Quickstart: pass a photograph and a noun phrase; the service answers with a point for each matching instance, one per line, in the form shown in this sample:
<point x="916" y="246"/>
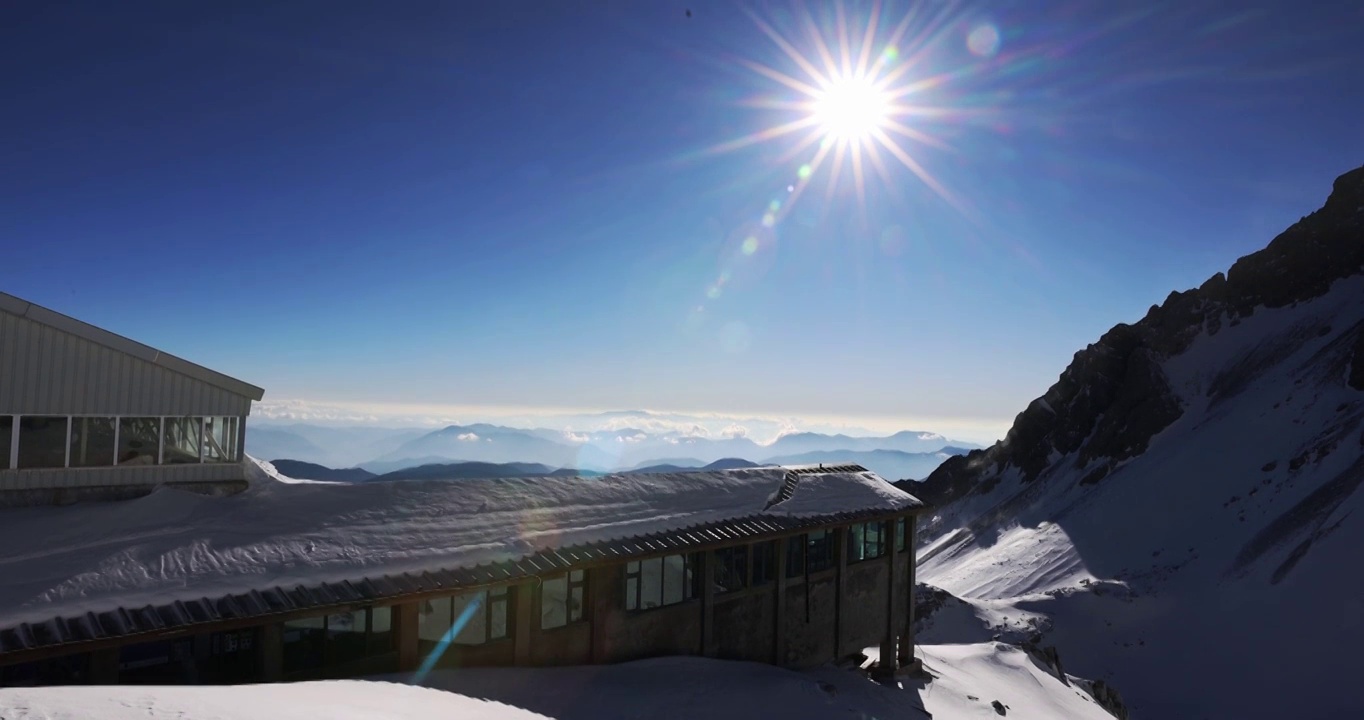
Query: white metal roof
<point x="39" y="314"/>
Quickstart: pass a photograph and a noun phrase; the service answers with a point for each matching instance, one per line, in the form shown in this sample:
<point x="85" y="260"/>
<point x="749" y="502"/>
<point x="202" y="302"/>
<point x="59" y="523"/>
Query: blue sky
<point x="533" y="205"/>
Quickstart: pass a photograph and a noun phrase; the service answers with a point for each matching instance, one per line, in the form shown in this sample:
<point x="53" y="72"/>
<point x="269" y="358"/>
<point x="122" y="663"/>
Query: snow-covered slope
<point x="967" y="680"/>
<point x="1180" y="514"/>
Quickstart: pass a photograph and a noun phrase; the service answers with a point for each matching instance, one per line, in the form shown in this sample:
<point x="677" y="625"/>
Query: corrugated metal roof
<point x="277" y="600"/>
<point x="51" y="318"/>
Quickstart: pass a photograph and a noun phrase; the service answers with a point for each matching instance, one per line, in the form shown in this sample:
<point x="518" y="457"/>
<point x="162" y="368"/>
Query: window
<point x="339" y="638"/>
<point x="475" y="618"/>
<point x="658" y="582"/>
<point x="182" y="443"/>
<point x="303" y="644"/>
<point x="220" y="439"/>
<point x="731" y="569"/>
<point x="819" y="551"/>
<point x="92" y="441"/>
<point x="139" y="440"/>
<point x="764" y="563"/>
<point x="562" y="599"/>
<point x="6" y="436"/>
<point x="795" y="556"/>
<point x="866" y="541"/>
<point x="42" y="442"/>
<point x="900" y="536"/>
<point x="380" y="630"/>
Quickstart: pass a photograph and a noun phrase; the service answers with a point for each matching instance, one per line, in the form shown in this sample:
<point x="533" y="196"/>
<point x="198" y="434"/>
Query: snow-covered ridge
<point x="173" y="545"/>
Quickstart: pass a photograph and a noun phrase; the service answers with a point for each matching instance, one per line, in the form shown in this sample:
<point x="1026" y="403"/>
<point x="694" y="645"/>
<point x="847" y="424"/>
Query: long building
<point x="87" y="414"/>
<point x="793" y="566"/>
<point x="254" y="577"/>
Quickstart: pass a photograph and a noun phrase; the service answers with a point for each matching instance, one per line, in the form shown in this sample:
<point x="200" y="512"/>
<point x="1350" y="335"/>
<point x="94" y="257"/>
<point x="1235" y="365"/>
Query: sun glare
<point x="850" y="109"/>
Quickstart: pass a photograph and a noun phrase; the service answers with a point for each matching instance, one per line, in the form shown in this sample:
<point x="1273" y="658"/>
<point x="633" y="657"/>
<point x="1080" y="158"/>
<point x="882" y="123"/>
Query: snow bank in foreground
<point x="967" y="679"/>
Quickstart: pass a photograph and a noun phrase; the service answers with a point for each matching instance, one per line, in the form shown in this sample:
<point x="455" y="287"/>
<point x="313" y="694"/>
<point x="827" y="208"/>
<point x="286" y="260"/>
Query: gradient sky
<point x="533" y="204"/>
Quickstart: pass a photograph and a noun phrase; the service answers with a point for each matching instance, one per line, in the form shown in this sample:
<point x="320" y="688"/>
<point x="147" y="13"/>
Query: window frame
<point x="569" y="586"/>
<point x="692" y="563"/>
<point x="867" y="541"/>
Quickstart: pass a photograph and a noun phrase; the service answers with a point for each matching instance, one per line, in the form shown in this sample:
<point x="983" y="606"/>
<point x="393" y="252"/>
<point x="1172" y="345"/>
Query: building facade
<point x="87" y="414"/>
<point x="796" y="598"/>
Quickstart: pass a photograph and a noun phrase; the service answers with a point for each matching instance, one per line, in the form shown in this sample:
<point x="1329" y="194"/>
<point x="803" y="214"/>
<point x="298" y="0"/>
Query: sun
<point x="850" y="109"/>
<point x="856" y="97"/>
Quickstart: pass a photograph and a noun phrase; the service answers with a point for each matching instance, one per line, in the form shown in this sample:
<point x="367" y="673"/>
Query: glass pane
<point x="650" y="583"/>
<point x="233" y="434"/>
<point x="820" y="549"/>
<point x="731" y="572"/>
<point x="674" y="579"/>
<point x="182" y="440"/>
<point x="575" y="604"/>
<point x="433" y="621"/>
<point x="632" y="567"/>
<point x="470" y="618"/>
<point x="346" y="635"/>
<point x="900" y="535"/>
<point x="138" y="440"/>
<point x="498" y="622"/>
<point x="6" y="435"/>
<point x="764" y="556"/>
<point x="856" y="538"/>
<point x="215" y="439"/>
<point x="303" y="644"/>
<point x="380" y="629"/>
<point x="42" y="442"/>
<point x="577" y="575"/>
<point x="795" y="556"/>
<point x="554" y="602"/>
<point x="92" y="442"/>
<point x="631" y="593"/>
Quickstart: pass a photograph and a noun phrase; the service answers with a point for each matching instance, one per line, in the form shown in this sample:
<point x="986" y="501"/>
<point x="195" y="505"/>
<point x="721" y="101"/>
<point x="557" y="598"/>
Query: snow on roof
<point x="174" y="545"/>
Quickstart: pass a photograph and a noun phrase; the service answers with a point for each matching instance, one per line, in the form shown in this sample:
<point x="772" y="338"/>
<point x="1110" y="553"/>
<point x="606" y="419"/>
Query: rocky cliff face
<point x="1114" y="397"/>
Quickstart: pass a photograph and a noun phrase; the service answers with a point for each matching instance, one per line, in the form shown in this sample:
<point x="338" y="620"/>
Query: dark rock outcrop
<point x="1114" y="397"/>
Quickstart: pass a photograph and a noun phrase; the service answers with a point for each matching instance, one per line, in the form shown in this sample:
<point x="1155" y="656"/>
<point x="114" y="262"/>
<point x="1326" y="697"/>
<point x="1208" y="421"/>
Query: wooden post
<point x="907" y="637"/>
<point x="779" y="613"/>
<point x="523" y="615"/>
<point x="405" y="620"/>
<point x="708" y="604"/>
<point x="270" y="652"/>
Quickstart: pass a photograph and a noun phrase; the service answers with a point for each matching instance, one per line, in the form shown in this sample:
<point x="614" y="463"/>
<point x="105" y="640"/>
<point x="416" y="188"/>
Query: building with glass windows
<point x="795" y="566"/>
<point x="86" y="414"/>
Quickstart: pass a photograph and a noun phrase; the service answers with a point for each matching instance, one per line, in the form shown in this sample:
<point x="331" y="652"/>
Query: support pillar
<point x="405" y="618"/>
<point x="104" y="666"/>
<point x="910" y="566"/>
<point x="708" y="604"/>
<point x="840" y="535"/>
<point x="779" y="612"/>
<point x="523" y="616"/>
<point x="270" y="652"/>
<point x="888" y="662"/>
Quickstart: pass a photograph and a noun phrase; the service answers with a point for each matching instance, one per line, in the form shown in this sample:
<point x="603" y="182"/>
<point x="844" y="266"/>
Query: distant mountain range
<point x="312" y="471"/>
<point x="903" y="455"/>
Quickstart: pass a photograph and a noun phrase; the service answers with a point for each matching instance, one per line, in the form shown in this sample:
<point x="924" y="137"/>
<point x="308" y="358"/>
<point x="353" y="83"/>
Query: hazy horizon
<point x="761" y="429"/>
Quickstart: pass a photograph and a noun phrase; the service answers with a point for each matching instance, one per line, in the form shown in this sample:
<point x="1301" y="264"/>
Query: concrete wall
<point x="863" y="622"/>
<point x="96" y="478"/>
<point x="46" y="370"/>
<point x="619" y="635"/>
<point x="811" y="613"/>
<point x="745" y="624"/>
